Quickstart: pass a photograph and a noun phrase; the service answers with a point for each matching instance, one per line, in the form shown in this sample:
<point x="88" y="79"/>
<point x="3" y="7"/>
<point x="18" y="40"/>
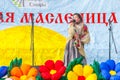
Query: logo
<point x="30" y="3"/>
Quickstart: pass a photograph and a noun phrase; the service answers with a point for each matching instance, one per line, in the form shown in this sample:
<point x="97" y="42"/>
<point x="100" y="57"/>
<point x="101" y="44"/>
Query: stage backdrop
<point x="51" y="18"/>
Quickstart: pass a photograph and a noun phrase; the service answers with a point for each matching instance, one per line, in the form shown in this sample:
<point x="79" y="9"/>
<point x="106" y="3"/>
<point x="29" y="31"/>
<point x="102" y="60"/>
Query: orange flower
<point x="24" y="72"/>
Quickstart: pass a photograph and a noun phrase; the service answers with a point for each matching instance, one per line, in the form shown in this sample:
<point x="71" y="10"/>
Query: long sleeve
<point x="86" y="37"/>
<point x="71" y="32"/>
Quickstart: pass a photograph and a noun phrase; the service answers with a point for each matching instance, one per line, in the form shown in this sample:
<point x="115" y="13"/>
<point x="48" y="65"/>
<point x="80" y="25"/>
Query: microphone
<point x="74" y="21"/>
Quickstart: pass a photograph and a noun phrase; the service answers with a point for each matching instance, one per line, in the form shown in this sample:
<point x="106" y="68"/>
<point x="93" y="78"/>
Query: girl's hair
<point x="80" y="17"/>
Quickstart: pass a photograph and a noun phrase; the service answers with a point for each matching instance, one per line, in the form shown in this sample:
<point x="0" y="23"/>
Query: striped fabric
<point x="72" y="52"/>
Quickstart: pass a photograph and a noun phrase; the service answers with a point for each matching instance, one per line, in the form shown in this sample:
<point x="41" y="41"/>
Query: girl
<point x="78" y="36"/>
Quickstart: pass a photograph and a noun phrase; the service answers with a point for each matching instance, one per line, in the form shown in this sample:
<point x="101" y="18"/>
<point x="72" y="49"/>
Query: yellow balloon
<point x="72" y="76"/>
<point x="87" y="70"/>
<point x="92" y="77"/>
<point x="78" y="69"/>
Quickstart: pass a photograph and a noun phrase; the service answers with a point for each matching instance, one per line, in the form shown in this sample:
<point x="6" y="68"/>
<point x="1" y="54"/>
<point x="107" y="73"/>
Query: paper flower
<point x="19" y="71"/>
<point x="110" y="70"/>
<point x="81" y="73"/>
<point x="3" y="71"/>
<point x="24" y="72"/>
<point x="51" y="70"/>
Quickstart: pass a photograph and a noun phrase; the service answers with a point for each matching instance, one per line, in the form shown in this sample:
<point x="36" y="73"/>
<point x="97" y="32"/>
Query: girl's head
<point x="77" y="17"/>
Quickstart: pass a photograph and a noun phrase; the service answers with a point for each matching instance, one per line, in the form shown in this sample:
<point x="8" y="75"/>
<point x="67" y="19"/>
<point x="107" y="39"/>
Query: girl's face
<point x="76" y="18"/>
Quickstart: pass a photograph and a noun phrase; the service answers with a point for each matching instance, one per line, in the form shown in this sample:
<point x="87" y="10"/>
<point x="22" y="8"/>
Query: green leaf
<point x="73" y="63"/>
<point x="79" y="60"/>
<point x="10" y="68"/>
<point x="2" y="79"/>
<point x="11" y="65"/>
<point x="39" y="78"/>
<point x="20" y="62"/>
<point x="63" y="78"/>
<point x="96" y="67"/>
<point x="68" y="69"/>
<point x="15" y="62"/>
<point x="75" y="60"/>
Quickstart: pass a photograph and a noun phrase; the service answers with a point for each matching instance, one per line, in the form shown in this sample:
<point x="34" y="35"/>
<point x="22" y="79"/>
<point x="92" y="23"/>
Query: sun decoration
<point x="16" y="42"/>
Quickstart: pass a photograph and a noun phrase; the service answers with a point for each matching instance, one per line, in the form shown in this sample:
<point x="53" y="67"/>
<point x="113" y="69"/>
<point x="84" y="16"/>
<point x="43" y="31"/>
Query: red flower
<point x="51" y="70"/>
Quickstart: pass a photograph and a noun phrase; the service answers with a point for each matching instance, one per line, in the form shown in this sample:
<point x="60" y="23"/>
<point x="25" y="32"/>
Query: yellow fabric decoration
<point x="16" y="42"/>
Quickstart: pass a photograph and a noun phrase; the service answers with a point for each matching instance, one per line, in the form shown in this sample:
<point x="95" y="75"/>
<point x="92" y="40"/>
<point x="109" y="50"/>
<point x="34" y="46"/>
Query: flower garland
<point x="51" y="70"/>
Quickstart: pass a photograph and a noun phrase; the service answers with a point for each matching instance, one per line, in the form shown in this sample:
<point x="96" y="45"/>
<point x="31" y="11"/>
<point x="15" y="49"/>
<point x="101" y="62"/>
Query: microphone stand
<point x="23" y="3"/>
<point x="32" y="39"/>
<point x="111" y="36"/>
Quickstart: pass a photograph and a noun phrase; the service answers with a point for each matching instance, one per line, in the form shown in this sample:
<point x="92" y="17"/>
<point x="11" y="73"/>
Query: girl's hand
<point x="76" y="36"/>
<point x="71" y="24"/>
<point x="77" y="43"/>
